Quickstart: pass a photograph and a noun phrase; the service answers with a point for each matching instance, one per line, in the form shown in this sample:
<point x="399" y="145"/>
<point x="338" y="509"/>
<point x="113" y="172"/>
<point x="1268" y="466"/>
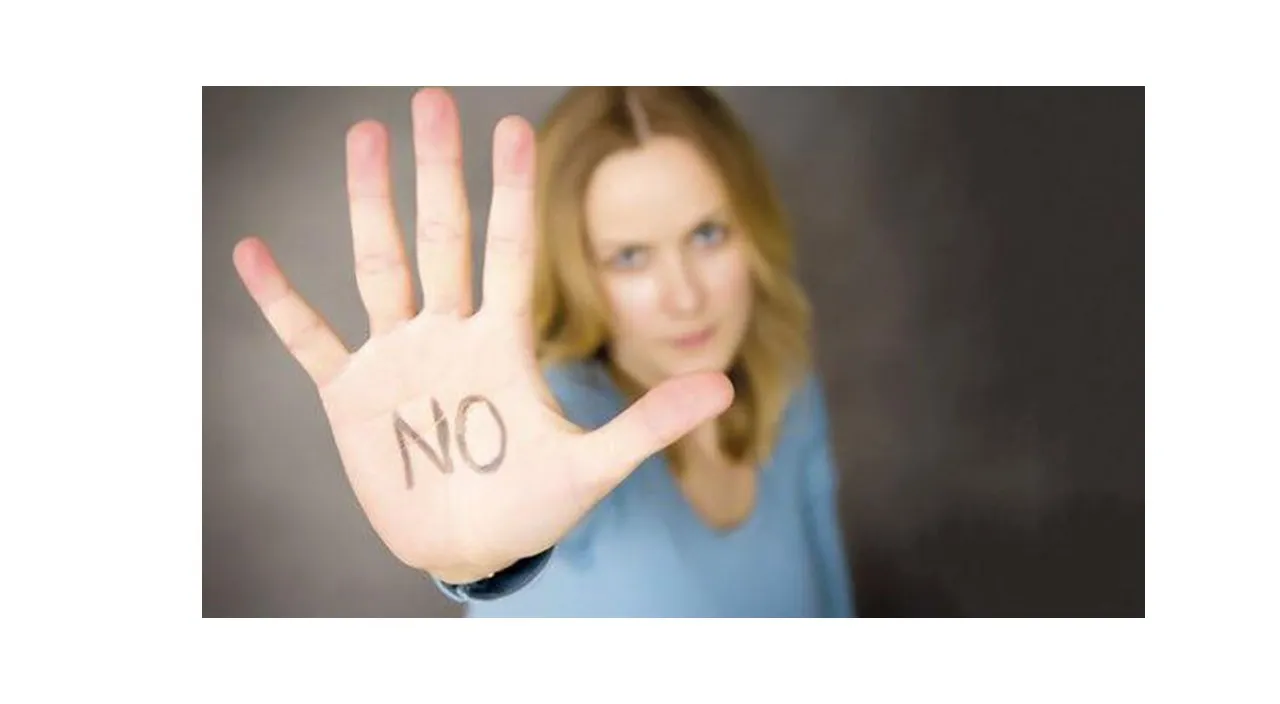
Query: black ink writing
<point x="443" y="461"/>
<point x="462" y="434"/>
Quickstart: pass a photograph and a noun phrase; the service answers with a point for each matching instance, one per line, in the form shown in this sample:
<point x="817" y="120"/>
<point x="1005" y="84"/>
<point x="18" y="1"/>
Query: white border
<point x="101" y="520"/>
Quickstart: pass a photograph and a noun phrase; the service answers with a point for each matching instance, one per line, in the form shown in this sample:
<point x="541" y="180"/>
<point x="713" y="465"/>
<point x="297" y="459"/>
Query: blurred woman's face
<point x="671" y="259"/>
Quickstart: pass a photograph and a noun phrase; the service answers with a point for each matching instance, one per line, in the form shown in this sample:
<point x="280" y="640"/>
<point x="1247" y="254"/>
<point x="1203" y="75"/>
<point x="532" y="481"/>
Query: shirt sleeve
<point x="500" y="584"/>
<point x="822" y="493"/>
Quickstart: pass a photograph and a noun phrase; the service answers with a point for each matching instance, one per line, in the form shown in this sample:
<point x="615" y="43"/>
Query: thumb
<point x="660" y="417"/>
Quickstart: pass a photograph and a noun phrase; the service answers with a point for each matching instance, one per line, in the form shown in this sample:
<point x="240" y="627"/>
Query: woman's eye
<point x="628" y="258"/>
<point x="709" y="234"/>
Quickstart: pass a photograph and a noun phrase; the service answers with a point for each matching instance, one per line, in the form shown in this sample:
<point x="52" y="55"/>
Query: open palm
<point x="452" y="442"/>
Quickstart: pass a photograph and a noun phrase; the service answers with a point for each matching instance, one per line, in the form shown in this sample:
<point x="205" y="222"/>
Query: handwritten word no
<point x="444" y="460"/>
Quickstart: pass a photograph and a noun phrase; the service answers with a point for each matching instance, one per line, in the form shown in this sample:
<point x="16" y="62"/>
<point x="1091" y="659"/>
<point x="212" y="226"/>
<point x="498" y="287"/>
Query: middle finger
<point x="443" y="221"/>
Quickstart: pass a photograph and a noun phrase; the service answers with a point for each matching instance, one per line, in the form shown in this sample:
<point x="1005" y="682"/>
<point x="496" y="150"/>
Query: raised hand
<point x="453" y="444"/>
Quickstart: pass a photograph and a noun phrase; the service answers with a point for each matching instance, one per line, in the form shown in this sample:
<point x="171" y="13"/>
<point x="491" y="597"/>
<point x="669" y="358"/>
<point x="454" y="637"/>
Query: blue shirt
<point x="643" y="552"/>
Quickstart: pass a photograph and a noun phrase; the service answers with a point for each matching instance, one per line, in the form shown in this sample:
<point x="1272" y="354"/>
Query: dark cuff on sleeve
<point x="508" y="581"/>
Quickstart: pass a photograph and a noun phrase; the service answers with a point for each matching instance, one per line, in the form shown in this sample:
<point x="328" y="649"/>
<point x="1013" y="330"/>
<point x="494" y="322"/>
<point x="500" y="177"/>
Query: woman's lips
<point x="694" y="340"/>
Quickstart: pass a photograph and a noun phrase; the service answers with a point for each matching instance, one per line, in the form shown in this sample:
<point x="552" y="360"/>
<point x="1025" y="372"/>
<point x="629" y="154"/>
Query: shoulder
<point x="805" y="417"/>
<point x="803" y="449"/>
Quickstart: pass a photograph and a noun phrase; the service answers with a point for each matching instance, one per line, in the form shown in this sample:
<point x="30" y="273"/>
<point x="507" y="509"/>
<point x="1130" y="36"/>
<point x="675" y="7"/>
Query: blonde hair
<point x="571" y="312"/>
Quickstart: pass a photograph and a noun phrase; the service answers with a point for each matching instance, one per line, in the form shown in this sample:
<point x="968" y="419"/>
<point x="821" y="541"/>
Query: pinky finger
<point x="307" y="337"/>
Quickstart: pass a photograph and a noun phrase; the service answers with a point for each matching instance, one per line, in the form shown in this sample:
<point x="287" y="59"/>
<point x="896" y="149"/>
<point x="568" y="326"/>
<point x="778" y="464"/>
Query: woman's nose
<point x="682" y="287"/>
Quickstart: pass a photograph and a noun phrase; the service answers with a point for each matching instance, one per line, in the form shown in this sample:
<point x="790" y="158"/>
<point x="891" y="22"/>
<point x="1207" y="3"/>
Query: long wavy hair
<point x="571" y="312"/>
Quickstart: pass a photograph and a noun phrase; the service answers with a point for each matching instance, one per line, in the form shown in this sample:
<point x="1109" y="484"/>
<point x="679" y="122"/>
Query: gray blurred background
<point x="976" y="259"/>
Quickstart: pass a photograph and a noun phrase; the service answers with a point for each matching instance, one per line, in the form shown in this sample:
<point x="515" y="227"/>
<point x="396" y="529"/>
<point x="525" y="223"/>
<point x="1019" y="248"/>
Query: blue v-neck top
<point x="643" y="552"/>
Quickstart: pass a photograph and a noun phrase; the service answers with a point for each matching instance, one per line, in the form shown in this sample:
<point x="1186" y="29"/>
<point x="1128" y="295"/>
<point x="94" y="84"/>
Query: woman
<point x="629" y="424"/>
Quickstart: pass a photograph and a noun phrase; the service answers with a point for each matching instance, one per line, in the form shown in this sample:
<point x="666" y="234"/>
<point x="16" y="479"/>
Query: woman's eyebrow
<point x="716" y="213"/>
